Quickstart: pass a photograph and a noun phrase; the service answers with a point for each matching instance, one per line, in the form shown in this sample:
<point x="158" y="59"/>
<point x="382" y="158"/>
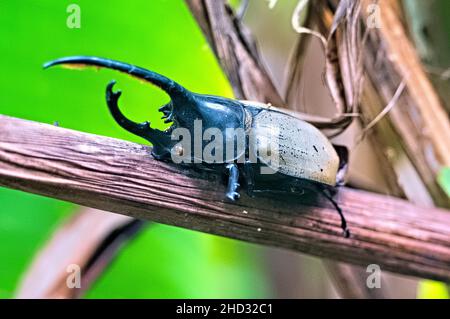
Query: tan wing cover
<point x="303" y="151"/>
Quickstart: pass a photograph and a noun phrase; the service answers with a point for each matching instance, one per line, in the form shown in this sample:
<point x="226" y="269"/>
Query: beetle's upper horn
<point x="172" y="88"/>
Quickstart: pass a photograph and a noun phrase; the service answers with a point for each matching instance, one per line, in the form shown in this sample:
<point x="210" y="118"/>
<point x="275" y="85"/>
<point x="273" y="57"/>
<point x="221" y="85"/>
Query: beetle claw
<point x="346" y="233"/>
<point x="233" y="184"/>
<point x="233" y="195"/>
<point x="168" y="113"/>
<point x="165" y="109"/>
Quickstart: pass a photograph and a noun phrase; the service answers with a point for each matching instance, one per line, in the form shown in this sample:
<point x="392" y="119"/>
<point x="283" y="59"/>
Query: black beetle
<point x="278" y="152"/>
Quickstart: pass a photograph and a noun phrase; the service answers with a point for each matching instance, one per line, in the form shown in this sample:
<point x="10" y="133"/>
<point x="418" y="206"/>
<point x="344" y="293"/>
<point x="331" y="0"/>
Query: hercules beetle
<point x="307" y="159"/>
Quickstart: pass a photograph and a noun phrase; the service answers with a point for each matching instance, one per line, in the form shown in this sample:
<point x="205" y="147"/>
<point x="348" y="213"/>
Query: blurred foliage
<point x="444" y="180"/>
<point x="428" y="289"/>
<point x="430" y="30"/>
<point x="160" y="35"/>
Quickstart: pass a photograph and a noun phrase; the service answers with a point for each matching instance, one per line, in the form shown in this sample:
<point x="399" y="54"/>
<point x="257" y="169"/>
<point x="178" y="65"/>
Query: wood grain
<point x="121" y="177"/>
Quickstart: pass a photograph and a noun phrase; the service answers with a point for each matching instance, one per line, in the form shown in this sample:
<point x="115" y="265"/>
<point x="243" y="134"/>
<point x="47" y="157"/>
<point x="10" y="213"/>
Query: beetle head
<point x="183" y="109"/>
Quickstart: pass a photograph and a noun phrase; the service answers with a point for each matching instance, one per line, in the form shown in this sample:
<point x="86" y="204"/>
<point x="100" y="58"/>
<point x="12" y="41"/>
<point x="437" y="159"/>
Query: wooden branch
<point x="122" y="177"/>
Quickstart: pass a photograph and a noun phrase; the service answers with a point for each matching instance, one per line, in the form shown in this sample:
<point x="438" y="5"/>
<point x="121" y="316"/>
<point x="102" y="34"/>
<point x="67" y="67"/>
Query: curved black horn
<point x="169" y="86"/>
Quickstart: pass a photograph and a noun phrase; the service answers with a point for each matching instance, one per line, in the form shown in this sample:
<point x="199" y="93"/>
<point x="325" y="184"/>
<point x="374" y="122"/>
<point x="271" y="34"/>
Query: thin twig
<point x="384" y="112"/>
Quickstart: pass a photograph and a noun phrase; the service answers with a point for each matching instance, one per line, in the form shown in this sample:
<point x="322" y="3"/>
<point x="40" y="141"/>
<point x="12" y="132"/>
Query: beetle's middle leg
<point x="249" y="178"/>
<point x="233" y="181"/>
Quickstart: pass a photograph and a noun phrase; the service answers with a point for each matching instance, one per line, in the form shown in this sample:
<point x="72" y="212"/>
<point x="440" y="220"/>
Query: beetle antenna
<point x="173" y="89"/>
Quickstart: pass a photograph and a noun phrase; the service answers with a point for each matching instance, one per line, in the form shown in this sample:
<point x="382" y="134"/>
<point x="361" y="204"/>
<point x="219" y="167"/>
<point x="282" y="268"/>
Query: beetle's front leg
<point x="233" y="182"/>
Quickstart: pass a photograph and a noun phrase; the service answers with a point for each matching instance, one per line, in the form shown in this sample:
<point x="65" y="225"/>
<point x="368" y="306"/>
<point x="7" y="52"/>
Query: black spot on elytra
<point x="315" y="148"/>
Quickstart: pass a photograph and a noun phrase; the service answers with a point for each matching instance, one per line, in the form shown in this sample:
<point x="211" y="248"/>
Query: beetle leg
<point x="325" y="192"/>
<point x="233" y="182"/>
<point x="249" y="178"/>
<point x="160" y="140"/>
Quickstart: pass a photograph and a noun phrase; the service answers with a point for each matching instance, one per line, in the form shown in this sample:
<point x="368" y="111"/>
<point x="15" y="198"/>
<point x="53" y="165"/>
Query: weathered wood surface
<point x="121" y="177"/>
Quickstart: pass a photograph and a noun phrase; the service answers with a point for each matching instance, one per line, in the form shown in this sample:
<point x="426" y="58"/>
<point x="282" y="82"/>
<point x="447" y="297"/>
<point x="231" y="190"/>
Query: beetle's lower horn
<point x="161" y="141"/>
<point x="173" y="89"/>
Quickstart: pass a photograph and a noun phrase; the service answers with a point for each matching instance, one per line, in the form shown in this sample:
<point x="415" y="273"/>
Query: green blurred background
<point x="160" y="35"/>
